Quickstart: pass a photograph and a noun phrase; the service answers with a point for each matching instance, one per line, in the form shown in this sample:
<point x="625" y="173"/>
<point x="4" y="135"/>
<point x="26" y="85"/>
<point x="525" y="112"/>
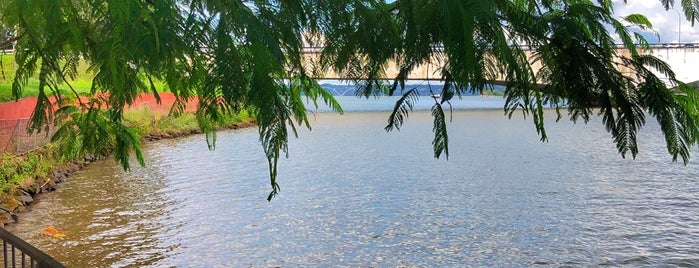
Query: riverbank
<point x="24" y="176"/>
<point x="354" y="195"/>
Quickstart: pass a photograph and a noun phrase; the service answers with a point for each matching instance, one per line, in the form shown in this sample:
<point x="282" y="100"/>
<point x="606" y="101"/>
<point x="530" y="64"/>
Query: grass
<point x="27" y="172"/>
<point x="152" y="122"/>
<point x="22" y="172"/>
<point x="82" y="83"/>
<point x="148" y="121"/>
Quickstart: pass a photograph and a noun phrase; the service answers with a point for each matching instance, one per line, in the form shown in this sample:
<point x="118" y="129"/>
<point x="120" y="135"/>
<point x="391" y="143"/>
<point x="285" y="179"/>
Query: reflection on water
<point x="353" y="195"/>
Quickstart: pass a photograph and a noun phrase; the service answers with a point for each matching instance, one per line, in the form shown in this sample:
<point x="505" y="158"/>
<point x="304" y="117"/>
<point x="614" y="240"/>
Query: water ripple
<point x="353" y="195"/>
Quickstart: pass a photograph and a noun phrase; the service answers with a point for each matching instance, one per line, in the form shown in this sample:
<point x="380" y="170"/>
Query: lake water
<point x="353" y="195"/>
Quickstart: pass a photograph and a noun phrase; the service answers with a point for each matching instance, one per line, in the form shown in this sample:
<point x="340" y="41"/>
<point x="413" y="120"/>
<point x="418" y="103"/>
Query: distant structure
<point x="683" y="58"/>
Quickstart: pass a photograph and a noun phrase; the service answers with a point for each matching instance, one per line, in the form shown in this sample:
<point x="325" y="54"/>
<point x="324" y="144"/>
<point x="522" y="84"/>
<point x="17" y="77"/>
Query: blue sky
<point x="664" y="22"/>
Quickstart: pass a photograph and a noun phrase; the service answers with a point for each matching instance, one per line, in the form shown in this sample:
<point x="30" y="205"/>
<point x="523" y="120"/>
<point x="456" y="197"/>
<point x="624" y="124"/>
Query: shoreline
<point x="19" y="197"/>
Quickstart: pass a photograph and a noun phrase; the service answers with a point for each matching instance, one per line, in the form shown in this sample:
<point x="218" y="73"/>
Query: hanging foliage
<point x="234" y="55"/>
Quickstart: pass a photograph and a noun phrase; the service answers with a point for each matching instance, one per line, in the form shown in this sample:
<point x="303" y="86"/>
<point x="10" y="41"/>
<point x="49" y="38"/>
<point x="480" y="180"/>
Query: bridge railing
<point x="18" y="253"/>
<point x="318" y="49"/>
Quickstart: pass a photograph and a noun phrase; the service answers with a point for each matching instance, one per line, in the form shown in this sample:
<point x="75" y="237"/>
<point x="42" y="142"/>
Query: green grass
<point x="82" y="83"/>
<point x="148" y="122"/>
<point x="24" y="171"/>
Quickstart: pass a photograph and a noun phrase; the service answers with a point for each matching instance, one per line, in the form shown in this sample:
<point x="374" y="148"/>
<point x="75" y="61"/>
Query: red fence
<point x="14" y="117"/>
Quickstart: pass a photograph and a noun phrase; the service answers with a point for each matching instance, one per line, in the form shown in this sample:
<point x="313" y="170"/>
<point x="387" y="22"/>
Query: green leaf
<point x="440" y="143"/>
<point x="402" y="109"/>
<point x="639" y="20"/>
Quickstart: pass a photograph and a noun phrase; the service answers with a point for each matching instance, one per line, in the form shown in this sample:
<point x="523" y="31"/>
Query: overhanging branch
<point x="11" y="40"/>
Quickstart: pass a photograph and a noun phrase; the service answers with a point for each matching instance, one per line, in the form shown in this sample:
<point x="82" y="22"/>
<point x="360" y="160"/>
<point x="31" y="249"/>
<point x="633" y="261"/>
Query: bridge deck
<point x="683" y="58"/>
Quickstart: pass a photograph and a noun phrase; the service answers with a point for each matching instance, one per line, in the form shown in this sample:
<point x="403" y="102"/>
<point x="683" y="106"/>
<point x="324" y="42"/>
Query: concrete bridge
<point x="683" y="58"/>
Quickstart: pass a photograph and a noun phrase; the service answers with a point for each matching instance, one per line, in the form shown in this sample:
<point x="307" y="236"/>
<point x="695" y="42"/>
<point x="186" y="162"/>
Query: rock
<point x="58" y="176"/>
<point x="11" y="205"/>
<point x="73" y="167"/>
<point x="4" y="209"/>
<point x="28" y="184"/>
<point x="26" y="199"/>
<point x="7" y="218"/>
<point x="49" y="187"/>
<point x="36" y="188"/>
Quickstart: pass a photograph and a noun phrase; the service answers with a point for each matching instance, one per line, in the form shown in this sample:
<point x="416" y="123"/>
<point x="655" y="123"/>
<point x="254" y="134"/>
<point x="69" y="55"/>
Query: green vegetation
<point x="148" y="122"/>
<point x="694" y="85"/>
<point x="27" y="174"/>
<point x="29" y="171"/>
<point x="24" y="171"/>
<point x="248" y="55"/>
<point x="81" y="82"/>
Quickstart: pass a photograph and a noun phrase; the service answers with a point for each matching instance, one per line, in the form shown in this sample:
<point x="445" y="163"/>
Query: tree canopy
<point x="234" y="55"/>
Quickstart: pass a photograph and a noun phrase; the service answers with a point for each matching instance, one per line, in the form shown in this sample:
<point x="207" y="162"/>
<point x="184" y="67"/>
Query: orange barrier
<point x="14" y="117"/>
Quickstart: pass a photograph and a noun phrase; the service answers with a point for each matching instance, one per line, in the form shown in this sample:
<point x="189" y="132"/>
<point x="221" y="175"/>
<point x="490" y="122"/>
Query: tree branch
<point x="9" y="41"/>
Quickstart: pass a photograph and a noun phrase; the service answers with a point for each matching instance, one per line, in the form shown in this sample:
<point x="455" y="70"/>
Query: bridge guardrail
<point x="318" y="49"/>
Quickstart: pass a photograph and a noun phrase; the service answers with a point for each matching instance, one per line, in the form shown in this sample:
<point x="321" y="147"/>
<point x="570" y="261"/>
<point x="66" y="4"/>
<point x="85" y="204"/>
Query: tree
<point x="236" y="55"/>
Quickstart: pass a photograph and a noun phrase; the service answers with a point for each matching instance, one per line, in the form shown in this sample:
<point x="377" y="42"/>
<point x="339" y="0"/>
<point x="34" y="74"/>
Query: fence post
<point x="16" y="135"/>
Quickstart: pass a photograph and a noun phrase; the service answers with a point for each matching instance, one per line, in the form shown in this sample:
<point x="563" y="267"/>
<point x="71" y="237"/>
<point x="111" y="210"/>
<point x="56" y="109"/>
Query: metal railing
<point x="18" y="253"/>
<point x="683" y="45"/>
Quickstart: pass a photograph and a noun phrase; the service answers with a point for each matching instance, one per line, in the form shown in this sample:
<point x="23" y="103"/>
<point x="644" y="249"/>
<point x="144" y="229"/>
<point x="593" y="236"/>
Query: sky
<point x="664" y="22"/>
